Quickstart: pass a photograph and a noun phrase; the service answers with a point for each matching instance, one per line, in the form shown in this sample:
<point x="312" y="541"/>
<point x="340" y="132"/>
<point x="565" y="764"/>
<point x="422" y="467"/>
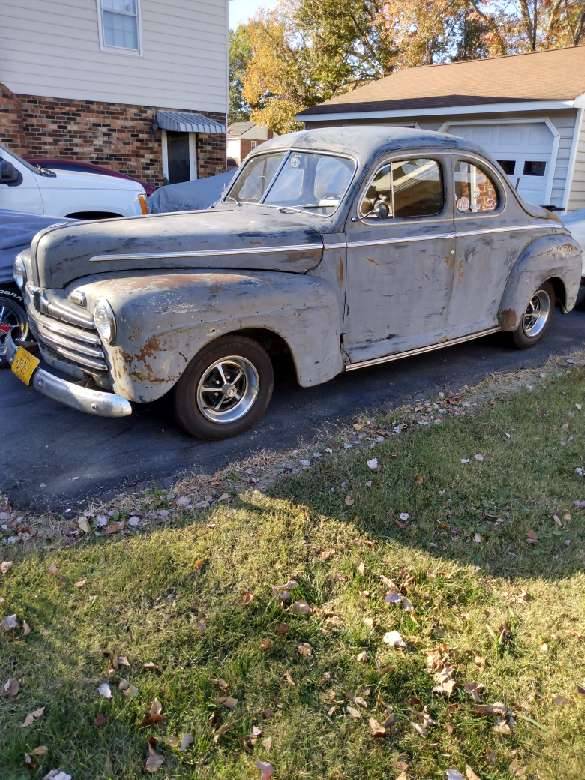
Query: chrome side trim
<point x="458" y="234"/>
<point x="420" y="350"/>
<point x="252" y="250"/>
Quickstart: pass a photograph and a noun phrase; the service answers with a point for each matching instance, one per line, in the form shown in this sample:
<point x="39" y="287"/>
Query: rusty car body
<point x="343" y="248"/>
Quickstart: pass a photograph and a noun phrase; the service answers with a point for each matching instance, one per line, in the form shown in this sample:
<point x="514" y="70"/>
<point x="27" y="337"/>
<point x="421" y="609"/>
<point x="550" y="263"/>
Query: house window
<point x="119" y="24"/>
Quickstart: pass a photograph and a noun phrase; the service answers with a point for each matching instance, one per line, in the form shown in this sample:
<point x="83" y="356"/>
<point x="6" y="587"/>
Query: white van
<point x="35" y="190"/>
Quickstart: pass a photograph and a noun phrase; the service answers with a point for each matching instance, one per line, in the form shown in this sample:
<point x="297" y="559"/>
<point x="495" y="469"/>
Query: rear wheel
<point x="12" y="320"/>
<point x="225" y="390"/>
<point x="537" y="317"/>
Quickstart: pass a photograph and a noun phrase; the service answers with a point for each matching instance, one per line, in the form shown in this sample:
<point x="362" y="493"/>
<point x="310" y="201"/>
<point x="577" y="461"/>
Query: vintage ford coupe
<point x="341" y="248"/>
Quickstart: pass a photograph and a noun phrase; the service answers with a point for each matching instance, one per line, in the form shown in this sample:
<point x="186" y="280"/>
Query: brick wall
<point x="10" y="122"/>
<point x="115" y="135"/>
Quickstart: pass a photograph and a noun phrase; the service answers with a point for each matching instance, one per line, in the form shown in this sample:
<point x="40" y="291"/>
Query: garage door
<point x="524" y="151"/>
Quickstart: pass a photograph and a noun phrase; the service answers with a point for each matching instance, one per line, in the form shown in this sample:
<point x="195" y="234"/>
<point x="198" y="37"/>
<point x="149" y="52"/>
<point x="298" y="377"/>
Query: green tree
<point x="240" y="52"/>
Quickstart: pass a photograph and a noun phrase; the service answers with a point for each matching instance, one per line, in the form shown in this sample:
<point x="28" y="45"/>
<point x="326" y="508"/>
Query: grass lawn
<point x="489" y="554"/>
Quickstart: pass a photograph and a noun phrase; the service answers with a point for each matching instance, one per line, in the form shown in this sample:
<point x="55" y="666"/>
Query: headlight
<point x="19" y="271"/>
<point x="105" y="321"/>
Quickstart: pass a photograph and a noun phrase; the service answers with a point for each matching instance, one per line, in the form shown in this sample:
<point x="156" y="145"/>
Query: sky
<point x="242" y="10"/>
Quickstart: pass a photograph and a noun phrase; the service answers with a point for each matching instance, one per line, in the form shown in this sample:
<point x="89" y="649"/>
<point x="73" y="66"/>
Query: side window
<point x="474" y="190"/>
<point x="405" y="188"/>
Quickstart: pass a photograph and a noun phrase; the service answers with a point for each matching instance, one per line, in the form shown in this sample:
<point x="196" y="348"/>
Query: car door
<point x="24" y="194"/>
<point x="399" y="266"/>
<point x="490" y="232"/>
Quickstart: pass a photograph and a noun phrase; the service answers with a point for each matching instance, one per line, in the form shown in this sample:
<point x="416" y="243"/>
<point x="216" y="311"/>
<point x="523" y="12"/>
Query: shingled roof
<point x="556" y="75"/>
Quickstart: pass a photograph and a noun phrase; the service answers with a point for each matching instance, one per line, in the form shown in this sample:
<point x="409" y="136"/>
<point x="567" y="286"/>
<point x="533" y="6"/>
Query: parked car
<point x="190" y="195"/>
<point x="17" y="230"/>
<point x="28" y="188"/>
<point x="339" y="249"/>
<point x="84" y="167"/>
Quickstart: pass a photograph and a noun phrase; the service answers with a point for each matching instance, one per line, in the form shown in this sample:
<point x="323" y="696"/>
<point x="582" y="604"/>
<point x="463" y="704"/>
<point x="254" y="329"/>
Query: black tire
<point x="522" y="337"/>
<point x="194" y="405"/>
<point x="12" y="312"/>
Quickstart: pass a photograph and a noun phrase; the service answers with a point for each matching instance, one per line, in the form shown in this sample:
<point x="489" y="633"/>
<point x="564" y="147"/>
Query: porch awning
<point x="186" y="122"/>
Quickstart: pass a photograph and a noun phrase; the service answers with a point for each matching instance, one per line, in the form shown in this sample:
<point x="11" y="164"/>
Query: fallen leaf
<point x="373" y="464"/>
<point x="80" y="583"/>
<point x="454" y="774"/>
<point x="247" y="598"/>
<point x="105" y="690"/>
<point x="475" y="690"/>
<point x="288" y="677"/>
<point x="52" y="569"/>
<point x="25" y="628"/>
<point x="376" y="728"/>
<point x="221" y="683"/>
<point x="531" y="537"/>
<point x="479" y="457"/>
<point x="477" y="538"/>
<point x="502" y="727"/>
<point x="9" y="623"/>
<point x="150" y="667"/>
<point x="267" y="743"/>
<point x="5" y="567"/>
<point x="114" y="528"/>
<point x="305" y="649"/>
<point x="11" y="687"/>
<point x="83" y="524"/>
<point x="266" y="769"/>
<point x="301" y="608"/>
<point x="266" y="644"/>
<point x="325" y="555"/>
<point x="229" y="702"/>
<point x="186" y="742"/>
<point x="561" y="701"/>
<point x="470" y="774"/>
<point x="154" y="714"/>
<point x="581" y="689"/>
<point x="361" y="569"/>
<point x="363" y="657"/>
<point x="41" y="750"/>
<point x="154" y="760"/>
<point x="57" y="774"/>
<point x="353" y="712"/>
<point x="100" y="720"/>
<point x="394" y="639"/>
<point x="349" y="501"/>
<point x="32" y="716"/>
<point x="282" y="629"/>
<point x="444" y="681"/>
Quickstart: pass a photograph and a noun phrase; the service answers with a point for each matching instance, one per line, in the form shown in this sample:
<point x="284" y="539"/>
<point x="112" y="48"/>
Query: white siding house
<point x="90" y="56"/>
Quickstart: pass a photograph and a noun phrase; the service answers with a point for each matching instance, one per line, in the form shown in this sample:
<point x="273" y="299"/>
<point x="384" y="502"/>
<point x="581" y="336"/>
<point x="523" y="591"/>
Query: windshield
<point x="309" y="181"/>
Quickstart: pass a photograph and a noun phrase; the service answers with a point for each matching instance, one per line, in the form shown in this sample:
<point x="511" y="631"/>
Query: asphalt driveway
<point x="56" y="458"/>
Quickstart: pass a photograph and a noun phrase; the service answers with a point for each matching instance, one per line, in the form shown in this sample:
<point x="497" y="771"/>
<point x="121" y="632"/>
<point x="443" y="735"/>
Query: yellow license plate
<point x="24" y="365"/>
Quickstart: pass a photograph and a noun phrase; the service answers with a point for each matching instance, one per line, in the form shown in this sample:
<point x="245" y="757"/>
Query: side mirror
<point x="9" y="174"/>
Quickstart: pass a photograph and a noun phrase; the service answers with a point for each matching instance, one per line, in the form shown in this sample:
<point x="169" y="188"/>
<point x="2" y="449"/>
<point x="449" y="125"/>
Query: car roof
<point x="367" y="141"/>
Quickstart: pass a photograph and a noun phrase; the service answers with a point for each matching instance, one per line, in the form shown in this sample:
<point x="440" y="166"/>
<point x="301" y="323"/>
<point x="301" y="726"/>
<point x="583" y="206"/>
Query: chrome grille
<point x="68" y="335"/>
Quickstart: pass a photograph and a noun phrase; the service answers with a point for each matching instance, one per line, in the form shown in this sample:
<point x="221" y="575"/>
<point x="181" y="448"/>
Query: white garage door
<point x="524" y="151"/>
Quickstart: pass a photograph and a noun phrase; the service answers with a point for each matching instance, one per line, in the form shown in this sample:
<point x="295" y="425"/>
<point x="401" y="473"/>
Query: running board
<point x="421" y="350"/>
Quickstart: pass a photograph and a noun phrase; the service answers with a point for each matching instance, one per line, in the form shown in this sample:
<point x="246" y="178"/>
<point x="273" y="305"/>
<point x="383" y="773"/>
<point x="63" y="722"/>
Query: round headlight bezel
<point x="104" y="320"/>
<point x="19" y="271"/>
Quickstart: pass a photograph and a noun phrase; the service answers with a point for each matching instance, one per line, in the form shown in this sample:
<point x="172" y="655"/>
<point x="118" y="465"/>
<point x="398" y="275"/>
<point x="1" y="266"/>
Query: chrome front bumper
<point x="77" y="397"/>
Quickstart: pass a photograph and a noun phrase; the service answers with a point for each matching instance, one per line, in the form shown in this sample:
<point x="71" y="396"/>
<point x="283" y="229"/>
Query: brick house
<point x="139" y="86"/>
<point x="243" y="137"/>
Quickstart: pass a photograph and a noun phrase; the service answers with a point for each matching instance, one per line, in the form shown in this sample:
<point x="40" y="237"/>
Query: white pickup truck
<point x="28" y="188"/>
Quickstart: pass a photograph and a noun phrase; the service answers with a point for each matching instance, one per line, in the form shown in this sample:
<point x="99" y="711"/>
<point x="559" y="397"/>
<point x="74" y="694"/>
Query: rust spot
<point x="508" y="319"/>
<point x="151" y="348"/>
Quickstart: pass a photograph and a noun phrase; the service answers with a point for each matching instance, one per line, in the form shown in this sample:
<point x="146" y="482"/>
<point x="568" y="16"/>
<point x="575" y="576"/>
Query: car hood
<point x="85" y="180"/>
<point x="229" y="237"/>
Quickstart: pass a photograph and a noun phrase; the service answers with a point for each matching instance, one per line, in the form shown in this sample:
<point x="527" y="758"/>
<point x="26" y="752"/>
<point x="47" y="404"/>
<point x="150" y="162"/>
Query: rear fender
<point x="164" y="320"/>
<point x="550" y="257"/>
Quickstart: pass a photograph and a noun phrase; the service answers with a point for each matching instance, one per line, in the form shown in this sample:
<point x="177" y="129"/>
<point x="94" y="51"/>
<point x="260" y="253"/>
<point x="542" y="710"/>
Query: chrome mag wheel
<point x="537" y="314"/>
<point x="12" y="319"/>
<point x="228" y="389"/>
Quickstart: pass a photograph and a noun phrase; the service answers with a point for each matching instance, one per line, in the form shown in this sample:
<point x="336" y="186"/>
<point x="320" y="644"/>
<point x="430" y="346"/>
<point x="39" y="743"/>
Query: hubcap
<point x="228" y="389"/>
<point x="12" y="321"/>
<point x="536" y="314"/>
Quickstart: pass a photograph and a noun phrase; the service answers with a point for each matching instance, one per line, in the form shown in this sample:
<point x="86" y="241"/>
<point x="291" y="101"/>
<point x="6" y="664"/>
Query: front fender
<point x="550" y="257"/>
<point x="164" y="320"/>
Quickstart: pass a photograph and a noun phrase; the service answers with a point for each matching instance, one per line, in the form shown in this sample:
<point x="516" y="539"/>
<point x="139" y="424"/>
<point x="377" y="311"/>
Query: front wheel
<point x="225" y="390"/>
<point x="537" y="317"/>
<point x="13" y="320"/>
